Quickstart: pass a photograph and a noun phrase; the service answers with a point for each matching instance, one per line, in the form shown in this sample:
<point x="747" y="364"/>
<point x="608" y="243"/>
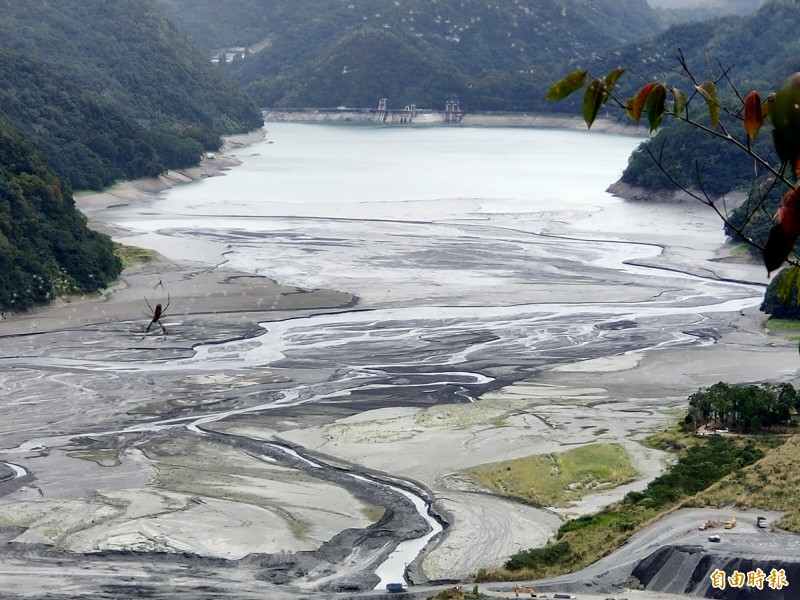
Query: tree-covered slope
<point x="111" y="89"/>
<point x="46" y="249"/>
<point x="482" y="50"/>
<point x="356" y="68"/>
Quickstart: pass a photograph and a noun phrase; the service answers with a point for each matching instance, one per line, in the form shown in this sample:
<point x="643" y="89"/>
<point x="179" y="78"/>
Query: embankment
<point x="415" y="116"/>
<point x="404" y="116"/>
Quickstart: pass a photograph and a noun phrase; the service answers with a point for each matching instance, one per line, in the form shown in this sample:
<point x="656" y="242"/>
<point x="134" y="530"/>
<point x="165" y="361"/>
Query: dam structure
<point x="408" y="115"/>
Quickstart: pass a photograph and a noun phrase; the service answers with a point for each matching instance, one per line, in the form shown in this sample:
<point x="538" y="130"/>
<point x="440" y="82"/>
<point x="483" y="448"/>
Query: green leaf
<point x="655" y="105"/>
<point x="785" y="116"/>
<point x="629" y="107"/>
<point x="593" y="99"/>
<point x="612" y="78"/>
<point x="786" y="284"/>
<point x="570" y="84"/>
<point x="768" y="106"/>
<point x="709" y="91"/>
<point x="679" y="101"/>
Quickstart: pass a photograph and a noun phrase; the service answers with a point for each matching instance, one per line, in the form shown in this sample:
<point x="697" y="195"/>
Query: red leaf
<point x="637" y="103"/>
<point x="753" y="117"/>
<point x="789" y="212"/>
<point x="778" y="246"/>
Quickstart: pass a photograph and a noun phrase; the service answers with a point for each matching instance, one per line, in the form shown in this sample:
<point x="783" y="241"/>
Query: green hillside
<point x="46" y="249"/>
<point x="485" y="54"/>
<point x="111" y="90"/>
<point x="92" y="92"/>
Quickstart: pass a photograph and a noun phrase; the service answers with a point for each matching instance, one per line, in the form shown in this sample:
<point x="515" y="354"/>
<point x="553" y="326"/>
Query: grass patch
<point x="131" y="255"/>
<point x="554" y="479"/>
<point x="739" y="250"/>
<point x="783" y="325"/>
<point x="583" y="541"/>
<point x="670" y="440"/>
<point x="442" y="416"/>
<point x="105" y="457"/>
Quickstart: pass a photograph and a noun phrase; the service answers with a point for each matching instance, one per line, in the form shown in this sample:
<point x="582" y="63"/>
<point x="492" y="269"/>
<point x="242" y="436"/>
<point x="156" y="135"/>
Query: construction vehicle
<point x="518" y="589"/>
<point x="730" y="523"/>
<point x="711" y="523"/>
<point x="395" y="587"/>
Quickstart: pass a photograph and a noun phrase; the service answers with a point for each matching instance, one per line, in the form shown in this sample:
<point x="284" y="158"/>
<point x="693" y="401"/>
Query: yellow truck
<point x="730" y="523"/>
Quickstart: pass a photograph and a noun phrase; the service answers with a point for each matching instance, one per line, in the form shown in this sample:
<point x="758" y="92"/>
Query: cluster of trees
<point x="781" y="298"/>
<point x="111" y="90"/>
<point x="722" y="170"/>
<point x="745" y="408"/>
<point x="378" y="64"/>
<point x="754" y="216"/>
<point x="46" y="248"/>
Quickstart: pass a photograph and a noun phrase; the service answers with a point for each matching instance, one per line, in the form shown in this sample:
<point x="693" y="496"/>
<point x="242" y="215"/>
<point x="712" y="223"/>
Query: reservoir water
<point x="404" y="215"/>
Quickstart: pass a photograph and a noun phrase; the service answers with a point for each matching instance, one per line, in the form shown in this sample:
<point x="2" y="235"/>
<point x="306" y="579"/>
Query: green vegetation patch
<point x="670" y="440"/>
<point x="465" y="415"/>
<point x="583" y="541"/>
<point x="554" y="479"/>
<point x="105" y="457"/>
<point x="783" y="325"/>
<point x="131" y="255"/>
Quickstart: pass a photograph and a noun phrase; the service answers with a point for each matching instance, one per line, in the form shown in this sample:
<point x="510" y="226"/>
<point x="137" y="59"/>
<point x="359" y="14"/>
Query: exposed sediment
<point x="687" y="569"/>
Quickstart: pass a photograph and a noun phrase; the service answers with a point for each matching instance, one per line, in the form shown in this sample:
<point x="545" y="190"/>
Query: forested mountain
<point x="111" y="90"/>
<point x="352" y="52"/>
<point x="46" y="249"/>
<point x="92" y="92"/>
